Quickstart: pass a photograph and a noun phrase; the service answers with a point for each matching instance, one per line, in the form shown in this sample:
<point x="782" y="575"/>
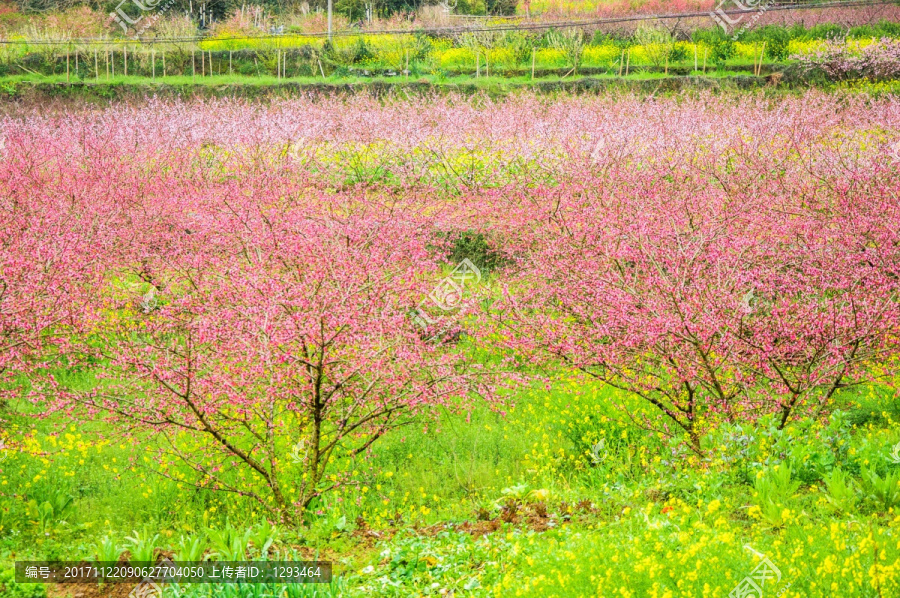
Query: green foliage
<point x="876" y="30"/>
<point x="258" y="590"/>
<point x="190" y="548"/>
<point x="263" y="536"/>
<point x="10" y="589"/>
<point x="776" y="485"/>
<point x="520" y="44"/>
<point x="657" y="43"/>
<point x="107" y="550"/>
<point x="775" y="490"/>
<point x="356" y="53"/>
<point x="501" y="7"/>
<point x="823" y="31"/>
<point x="476" y="247"/>
<point x="142" y="546"/>
<point x="811" y="450"/>
<point x="49" y="510"/>
<point x="721" y="46"/>
<point x="678" y="53"/>
<point x="775" y="37"/>
<point x="883" y="491"/>
<point x="229" y="543"/>
<point x="568" y="41"/>
<point x="471" y="7"/>
<point x="842" y="492"/>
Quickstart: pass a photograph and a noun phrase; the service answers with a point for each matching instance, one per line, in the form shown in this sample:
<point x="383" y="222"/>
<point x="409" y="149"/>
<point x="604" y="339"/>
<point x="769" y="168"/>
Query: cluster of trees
<point x="206" y="11"/>
<point x="193" y="273"/>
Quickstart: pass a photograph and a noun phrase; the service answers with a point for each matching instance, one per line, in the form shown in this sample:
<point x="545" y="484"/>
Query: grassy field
<point x="487" y="504"/>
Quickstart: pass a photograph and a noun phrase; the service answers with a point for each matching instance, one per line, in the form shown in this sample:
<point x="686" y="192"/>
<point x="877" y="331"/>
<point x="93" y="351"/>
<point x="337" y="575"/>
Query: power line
<point x="449" y="31"/>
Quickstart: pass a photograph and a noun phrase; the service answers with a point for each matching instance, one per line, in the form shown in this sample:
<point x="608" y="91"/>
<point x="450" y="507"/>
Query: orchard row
<point x="258" y="290"/>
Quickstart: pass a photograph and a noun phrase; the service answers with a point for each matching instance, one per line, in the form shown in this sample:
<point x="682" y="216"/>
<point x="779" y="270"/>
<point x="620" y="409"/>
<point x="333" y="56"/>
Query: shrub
<point x="501" y="7"/>
<point x="10" y="589"/>
<point x="775" y="37"/>
<point x="721" y="46"/>
<point x="473" y="245"/>
<point x="570" y="42"/>
<point x="656" y="42"/>
<point x="841" y="61"/>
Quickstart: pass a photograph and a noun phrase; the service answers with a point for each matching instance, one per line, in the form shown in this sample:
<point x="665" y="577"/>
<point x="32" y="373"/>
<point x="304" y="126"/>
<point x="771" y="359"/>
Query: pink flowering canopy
<point x="241" y="286"/>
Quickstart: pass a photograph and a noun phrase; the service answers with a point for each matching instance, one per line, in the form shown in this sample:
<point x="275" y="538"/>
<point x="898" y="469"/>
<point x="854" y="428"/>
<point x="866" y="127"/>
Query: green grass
<point x="268" y="80"/>
<point x="517" y="503"/>
<point x="45" y="87"/>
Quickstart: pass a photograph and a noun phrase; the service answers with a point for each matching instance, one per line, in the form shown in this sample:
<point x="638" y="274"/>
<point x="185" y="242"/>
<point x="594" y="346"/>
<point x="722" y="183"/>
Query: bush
<point x="657" y="43"/>
<point x="678" y="53"/>
<point x="501" y="7"/>
<point x="776" y="39"/>
<point x="721" y="46"/>
<point x="10" y="589"/>
<point x="570" y="42"/>
<point x="247" y="68"/>
<point x="824" y="31"/>
<point x="471" y="7"/>
<point x="474" y="246"/>
<point x="840" y="61"/>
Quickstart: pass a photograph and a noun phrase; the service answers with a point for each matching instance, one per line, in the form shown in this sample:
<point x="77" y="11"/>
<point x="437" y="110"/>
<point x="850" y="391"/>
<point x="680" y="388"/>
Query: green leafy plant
<point x="775" y="490"/>
<point x="883" y="491"/>
<point x="10" y="589"/>
<point x="520" y="45"/>
<point x="475" y="246"/>
<point x="141" y="546"/>
<point x="229" y="543"/>
<point x="721" y="46"/>
<point x="263" y="536"/>
<point x="842" y="493"/>
<point x="45" y="515"/>
<point x="191" y="548"/>
<point x="776" y="485"/>
<point x="107" y="549"/>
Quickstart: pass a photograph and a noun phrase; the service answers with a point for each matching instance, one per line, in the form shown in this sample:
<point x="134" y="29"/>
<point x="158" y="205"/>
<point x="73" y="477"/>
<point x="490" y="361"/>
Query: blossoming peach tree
<point x="279" y="345"/>
<point x="50" y="239"/>
<point x="713" y="303"/>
